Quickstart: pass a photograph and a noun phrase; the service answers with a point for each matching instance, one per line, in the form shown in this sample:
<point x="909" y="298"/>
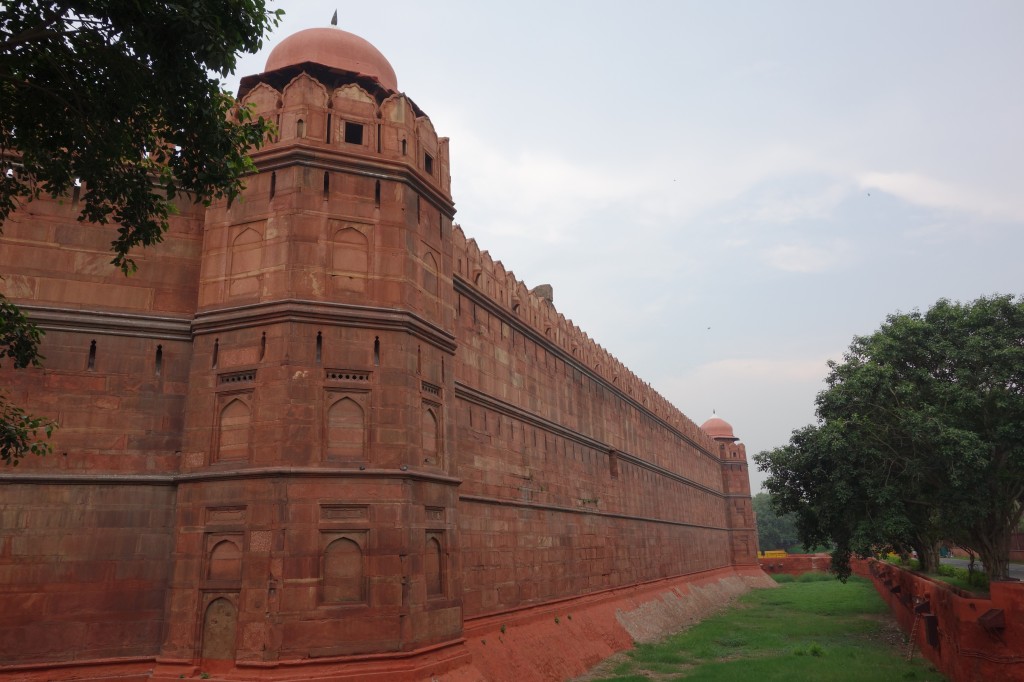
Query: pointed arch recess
<point x="431" y="433"/>
<point x="220" y="622"/>
<point x="346" y="430"/>
<point x="233" y="433"/>
<point x="350" y="260"/>
<point x="430" y="274"/>
<point x="225" y="562"/>
<point x="343" y="571"/>
<point x="246" y="261"/>
<point x="433" y="565"/>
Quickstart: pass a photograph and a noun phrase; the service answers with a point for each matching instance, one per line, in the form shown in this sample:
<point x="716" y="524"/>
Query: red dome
<point x="716" y="427"/>
<point x="336" y="49"/>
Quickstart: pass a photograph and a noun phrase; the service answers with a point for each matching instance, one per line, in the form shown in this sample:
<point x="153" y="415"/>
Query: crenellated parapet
<point x="322" y="109"/>
<point x="535" y="309"/>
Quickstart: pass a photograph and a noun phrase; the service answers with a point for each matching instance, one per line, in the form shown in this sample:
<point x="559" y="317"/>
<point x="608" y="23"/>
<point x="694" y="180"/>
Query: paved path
<point x="1016" y="570"/>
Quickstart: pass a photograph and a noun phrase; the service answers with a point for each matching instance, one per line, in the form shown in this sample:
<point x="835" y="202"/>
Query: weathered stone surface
<point x="320" y="425"/>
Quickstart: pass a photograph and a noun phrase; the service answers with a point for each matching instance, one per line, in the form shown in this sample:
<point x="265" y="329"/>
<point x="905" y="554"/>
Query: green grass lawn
<point x="814" y="629"/>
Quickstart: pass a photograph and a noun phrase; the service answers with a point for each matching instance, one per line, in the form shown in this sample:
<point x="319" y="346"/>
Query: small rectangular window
<point x="353" y="132"/>
<point x="428" y="164"/>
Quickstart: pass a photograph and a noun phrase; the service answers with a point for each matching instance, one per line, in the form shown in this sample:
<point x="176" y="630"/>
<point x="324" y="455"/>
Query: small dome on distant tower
<point x="336" y="49"/>
<point x="716" y="427"/>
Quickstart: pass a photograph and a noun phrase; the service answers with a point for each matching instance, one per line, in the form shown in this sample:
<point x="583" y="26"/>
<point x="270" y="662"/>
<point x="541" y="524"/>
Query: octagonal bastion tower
<point x="322" y="435"/>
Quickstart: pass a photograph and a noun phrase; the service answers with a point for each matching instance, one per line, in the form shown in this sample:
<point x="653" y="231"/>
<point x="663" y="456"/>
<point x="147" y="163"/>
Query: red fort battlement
<point x="322" y="435"/>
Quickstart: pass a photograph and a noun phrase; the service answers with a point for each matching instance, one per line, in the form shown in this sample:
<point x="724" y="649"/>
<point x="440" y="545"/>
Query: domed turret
<point x="718" y="428"/>
<point x="335" y="49"/>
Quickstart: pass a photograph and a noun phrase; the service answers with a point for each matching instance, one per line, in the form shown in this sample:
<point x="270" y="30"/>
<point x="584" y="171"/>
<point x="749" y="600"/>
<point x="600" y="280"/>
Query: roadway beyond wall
<point x="967" y="638"/>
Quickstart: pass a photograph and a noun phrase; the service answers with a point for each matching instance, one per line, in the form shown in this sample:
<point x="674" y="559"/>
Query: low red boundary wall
<point x="796" y="564"/>
<point x="968" y="638"/>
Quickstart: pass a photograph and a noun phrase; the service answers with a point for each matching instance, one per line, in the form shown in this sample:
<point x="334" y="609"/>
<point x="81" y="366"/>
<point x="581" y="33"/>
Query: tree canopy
<point x="774" y="531"/>
<point x="920" y="439"/>
<point x="120" y="100"/>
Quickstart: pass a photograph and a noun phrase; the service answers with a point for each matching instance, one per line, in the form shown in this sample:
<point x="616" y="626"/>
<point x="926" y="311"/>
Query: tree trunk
<point x="994" y="551"/>
<point x="928" y="555"/>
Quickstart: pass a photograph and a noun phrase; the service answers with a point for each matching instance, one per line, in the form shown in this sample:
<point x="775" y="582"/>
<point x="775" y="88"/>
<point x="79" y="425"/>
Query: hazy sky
<point x="723" y="194"/>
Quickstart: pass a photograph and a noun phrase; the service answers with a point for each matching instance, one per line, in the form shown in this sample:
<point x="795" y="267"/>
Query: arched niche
<point x="350" y="260"/>
<point x="225" y="562"/>
<point x="233" y="432"/>
<point x="246" y="261"/>
<point x="433" y="565"/>
<point x="343" y="572"/>
<point x="430" y="274"/>
<point x="220" y="622"/>
<point x="431" y="436"/>
<point x="346" y="430"/>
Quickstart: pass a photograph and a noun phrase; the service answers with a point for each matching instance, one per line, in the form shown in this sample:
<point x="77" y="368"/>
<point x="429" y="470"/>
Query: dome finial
<point x="334" y="19"/>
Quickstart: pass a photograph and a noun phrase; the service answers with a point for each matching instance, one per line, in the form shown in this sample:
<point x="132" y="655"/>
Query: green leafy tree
<point x="774" y="531"/>
<point x="19" y="345"/>
<point x="119" y="99"/>
<point x="920" y="438"/>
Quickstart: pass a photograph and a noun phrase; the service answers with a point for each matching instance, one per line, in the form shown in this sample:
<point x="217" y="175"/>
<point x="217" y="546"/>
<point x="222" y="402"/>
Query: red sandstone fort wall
<point x="320" y="423"/>
<point x="575" y="478"/>
<point x="84" y="569"/>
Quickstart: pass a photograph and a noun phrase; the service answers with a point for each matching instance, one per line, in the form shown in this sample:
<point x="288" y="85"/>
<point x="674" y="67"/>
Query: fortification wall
<point x="321" y="424"/>
<point x="52" y="260"/>
<point x="84" y="569"/>
<point x="577" y="476"/>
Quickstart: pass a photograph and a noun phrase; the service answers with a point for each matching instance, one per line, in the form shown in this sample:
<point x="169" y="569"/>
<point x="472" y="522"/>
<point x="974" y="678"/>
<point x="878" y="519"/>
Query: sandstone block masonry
<point x="320" y="433"/>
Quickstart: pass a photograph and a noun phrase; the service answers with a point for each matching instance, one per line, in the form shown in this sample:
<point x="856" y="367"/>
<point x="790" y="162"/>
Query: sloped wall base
<point x="555" y="641"/>
<point x="565" y="639"/>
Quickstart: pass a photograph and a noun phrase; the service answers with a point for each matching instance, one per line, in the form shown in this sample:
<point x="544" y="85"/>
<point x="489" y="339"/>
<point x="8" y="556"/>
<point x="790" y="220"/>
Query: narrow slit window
<point x="263" y="345"/>
<point x="353" y="132"/>
<point x="376" y="350"/>
<point x="428" y="164"/>
<point x="216" y="352"/>
<point x="376" y="194"/>
<point x="378" y="138"/>
<point x="403" y="147"/>
<point x="300" y="128"/>
<point x="327" y="184"/>
<point x="91" y="365"/>
<point x="328" y="136"/>
<point x="159" y="363"/>
<point x="319" y="347"/>
<point x="273" y="184"/>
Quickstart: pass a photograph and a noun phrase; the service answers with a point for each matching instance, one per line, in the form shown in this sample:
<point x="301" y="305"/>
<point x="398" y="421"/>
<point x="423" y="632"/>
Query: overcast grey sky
<point x="723" y="194"/>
